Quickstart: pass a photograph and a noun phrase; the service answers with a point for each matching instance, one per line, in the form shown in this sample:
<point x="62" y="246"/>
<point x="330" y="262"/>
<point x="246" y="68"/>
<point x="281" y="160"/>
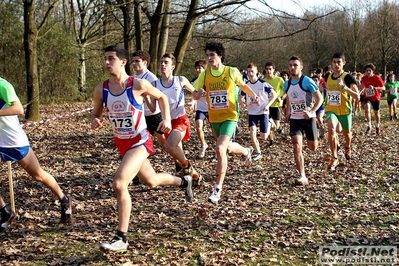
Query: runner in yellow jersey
<point x="341" y="86"/>
<point x="220" y="84"/>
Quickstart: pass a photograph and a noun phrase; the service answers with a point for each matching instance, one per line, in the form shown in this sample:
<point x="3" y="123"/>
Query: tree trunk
<point x="186" y="35"/>
<point x="30" y="45"/>
<point x="138" y="22"/>
<point x="163" y="42"/>
<point x="82" y="70"/>
<point x="127" y="9"/>
<point x="156" y="23"/>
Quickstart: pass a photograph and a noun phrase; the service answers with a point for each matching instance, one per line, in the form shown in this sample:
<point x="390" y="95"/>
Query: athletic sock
<point x="122" y="235"/>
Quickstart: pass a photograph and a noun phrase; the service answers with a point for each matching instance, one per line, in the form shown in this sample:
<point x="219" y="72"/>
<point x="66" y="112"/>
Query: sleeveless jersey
<point x="300" y="99"/>
<point x="222" y="96"/>
<point x="11" y="133"/>
<point x="175" y="95"/>
<point x="125" y="114"/>
<point x="148" y="75"/>
<point x="262" y="89"/>
<point x="337" y="101"/>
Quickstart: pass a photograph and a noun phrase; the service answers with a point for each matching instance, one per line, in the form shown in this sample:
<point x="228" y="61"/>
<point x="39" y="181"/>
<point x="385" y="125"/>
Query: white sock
<point x="219" y="187"/>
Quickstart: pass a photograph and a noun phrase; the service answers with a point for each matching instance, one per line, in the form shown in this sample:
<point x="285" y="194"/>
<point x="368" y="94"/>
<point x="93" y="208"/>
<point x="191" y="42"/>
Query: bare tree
<point x="31" y="35"/>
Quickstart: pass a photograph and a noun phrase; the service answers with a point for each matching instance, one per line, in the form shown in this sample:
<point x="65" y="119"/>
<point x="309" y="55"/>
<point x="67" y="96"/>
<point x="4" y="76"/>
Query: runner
<point x="320" y="112"/>
<point x="173" y="87"/>
<point x="15" y="147"/>
<point x="392" y="89"/>
<point x="141" y="62"/>
<point x="303" y="99"/>
<point x="122" y="97"/>
<point x="201" y="110"/>
<point x="220" y="84"/>
<point x="278" y="86"/>
<point x="371" y="89"/>
<point x="341" y="87"/>
<point x="258" y="111"/>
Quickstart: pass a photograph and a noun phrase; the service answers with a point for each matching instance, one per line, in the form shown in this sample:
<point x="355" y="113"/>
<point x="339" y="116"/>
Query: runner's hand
<point x="165" y="126"/>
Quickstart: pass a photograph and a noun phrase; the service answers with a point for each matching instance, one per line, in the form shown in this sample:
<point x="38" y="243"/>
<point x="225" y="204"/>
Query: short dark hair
<point x="216" y="47"/>
<point x="201" y="63"/>
<point x="171" y="56"/>
<point x="270" y="64"/>
<point x="339" y="55"/>
<point x="294" y="57"/>
<point x="370" y="65"/>
<point x="121" y="53"/>
<point x="282" y="73"/>
<point x="143" y="55"/>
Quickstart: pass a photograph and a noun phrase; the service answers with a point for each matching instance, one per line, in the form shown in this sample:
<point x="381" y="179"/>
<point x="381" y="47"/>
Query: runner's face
<point x="112" y="63"/>
<point x="213" y="58"/>
<point x="139" y="65"/>
<point x="269" y="71"/>
<point x="199" y="69"/>
<point x="166" y="66"/>
<point x="392" y="78"/>
<point x="338" y="64"/>
<point x="295" y="68"/>
<point x="252" y="73"/>
<point x="369" y="72"/>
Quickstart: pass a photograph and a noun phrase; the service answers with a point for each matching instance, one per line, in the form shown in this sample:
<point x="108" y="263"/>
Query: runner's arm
<point x="97" y="114"/>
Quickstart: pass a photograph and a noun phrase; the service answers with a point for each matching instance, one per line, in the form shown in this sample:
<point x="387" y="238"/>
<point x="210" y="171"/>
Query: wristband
<point x="343" y="86"/>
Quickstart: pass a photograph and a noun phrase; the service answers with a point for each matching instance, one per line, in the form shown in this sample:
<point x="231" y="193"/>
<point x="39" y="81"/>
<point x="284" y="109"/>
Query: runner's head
<point x="168" y="62"/>
<point x="215" y="53"/>
<point x="140" y="61"/>
<point x="252" y="71"/>
<point x="295" y="66"/>
<point x="369" y="69"/>
<point x="338" y="62"/>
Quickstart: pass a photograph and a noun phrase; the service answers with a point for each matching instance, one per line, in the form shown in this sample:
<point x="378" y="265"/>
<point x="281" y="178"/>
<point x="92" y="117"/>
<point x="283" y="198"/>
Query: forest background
<point x="52" y="51"/>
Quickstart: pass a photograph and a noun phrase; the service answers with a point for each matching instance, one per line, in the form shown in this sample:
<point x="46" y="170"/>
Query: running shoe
<point x="6" y="220"/>
<point x="188" y="190"/>
<point x="378" y="130"/>
<point x="247" y="159"/>
<point x="215" y="196"/>
<point x="66" y="210"/>
<point x="333" y="163"/>
<point x="202" y="151"/>
<point x="257" y="156"/>
<point x="116" y="244"/>
<point x="302" y="180"/>
<point x="368" y="130"/>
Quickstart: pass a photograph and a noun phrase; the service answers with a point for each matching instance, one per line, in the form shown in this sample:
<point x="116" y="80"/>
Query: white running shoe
<point x="188" y="190"/>
<point x="116" y="244"/>
<point x="215" y="196"/>
<point x="202" y="151"/>
<point x="302" y="180"/>
<point x="257" y="156"/>
<point x="247" y="159"/>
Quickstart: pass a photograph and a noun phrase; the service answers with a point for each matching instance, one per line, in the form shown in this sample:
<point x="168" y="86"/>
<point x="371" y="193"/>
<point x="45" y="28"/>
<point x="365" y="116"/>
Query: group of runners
<point x="143" y="105"/>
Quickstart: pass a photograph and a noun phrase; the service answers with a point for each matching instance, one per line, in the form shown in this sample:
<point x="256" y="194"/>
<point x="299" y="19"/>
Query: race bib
<point x="370" y="92"/>
<point x="218" y="100"/>
<point x="393" y="91"/>
<point x="298" y="107"/>
<point x="122" y="123"/>
<point x="334" y="98"/>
